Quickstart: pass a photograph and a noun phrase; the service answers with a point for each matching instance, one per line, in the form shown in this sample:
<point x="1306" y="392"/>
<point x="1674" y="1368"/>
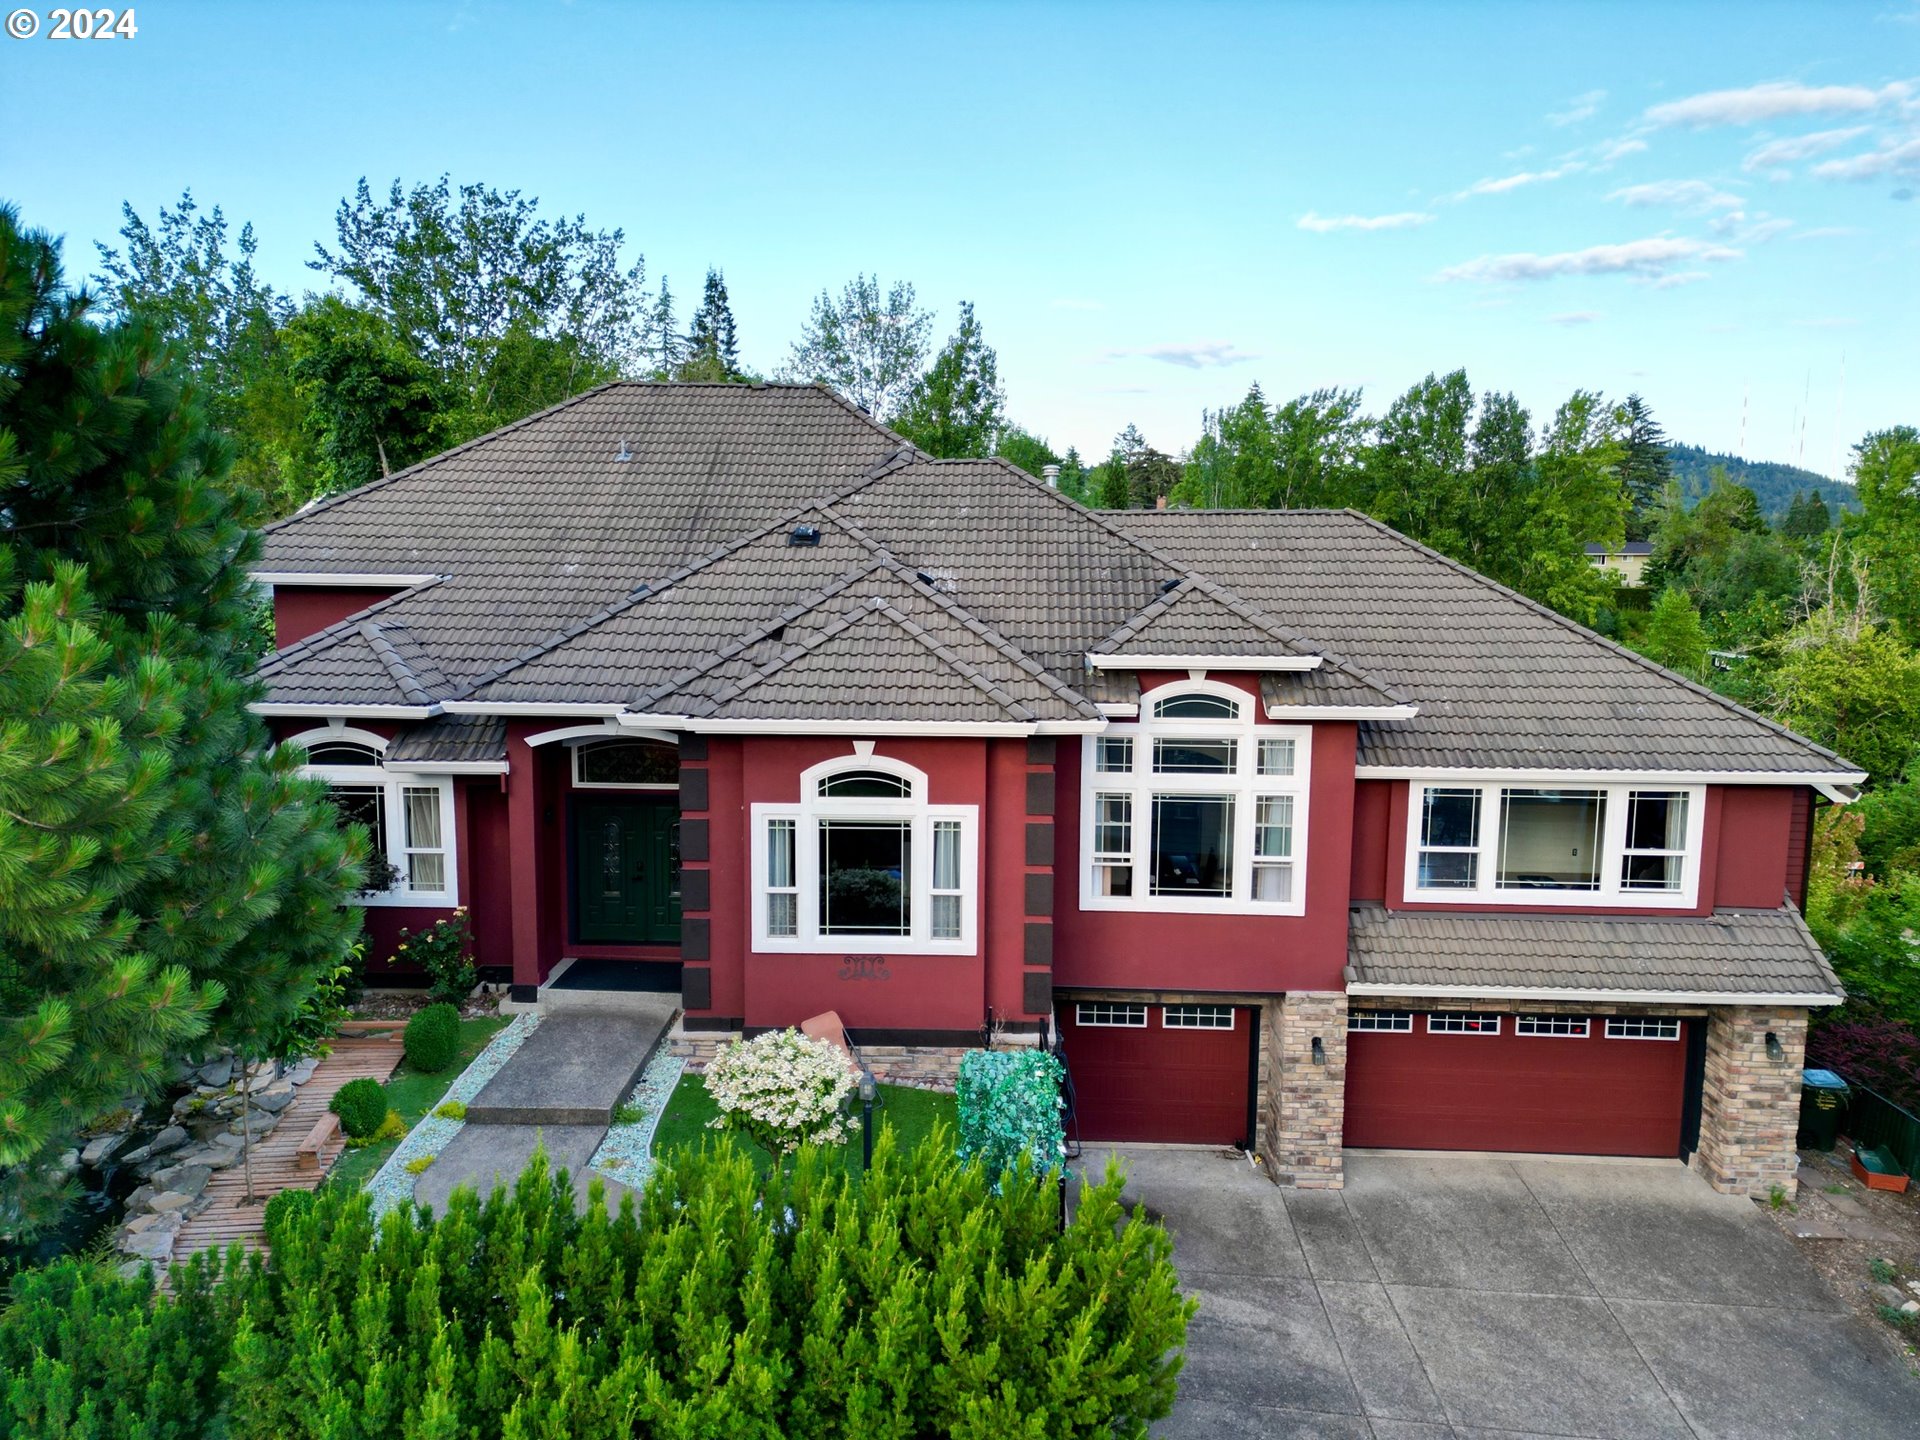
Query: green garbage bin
<point x="1823" y="1101"/>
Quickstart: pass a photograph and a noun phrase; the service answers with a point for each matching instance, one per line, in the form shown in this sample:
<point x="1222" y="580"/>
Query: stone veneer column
<point x="1750" y="1104"/>
<point x="1303" y="1108"/>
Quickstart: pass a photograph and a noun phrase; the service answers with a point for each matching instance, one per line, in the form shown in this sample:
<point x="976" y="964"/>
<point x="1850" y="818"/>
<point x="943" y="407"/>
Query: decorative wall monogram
<point x="865" y="967"/>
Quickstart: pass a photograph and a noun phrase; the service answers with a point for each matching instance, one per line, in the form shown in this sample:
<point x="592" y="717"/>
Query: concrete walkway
<point x="1479" y="1297"/>
<point x="559" y="1090"/>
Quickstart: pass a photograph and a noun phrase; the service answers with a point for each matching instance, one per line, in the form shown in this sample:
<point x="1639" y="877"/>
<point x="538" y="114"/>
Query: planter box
<point x="1876" y="1169"/>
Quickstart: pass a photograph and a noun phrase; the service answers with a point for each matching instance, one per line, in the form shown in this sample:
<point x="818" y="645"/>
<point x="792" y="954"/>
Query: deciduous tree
<point x="867" y="343"/>
<point x="957" y="408"/>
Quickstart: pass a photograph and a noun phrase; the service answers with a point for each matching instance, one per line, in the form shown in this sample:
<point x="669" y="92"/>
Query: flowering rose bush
<point x="781" y="1090"/>
<point x="445" y="952"/>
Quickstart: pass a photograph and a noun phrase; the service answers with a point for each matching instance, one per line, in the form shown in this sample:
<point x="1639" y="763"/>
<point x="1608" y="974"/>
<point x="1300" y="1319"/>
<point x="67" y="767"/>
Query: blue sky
<point x="1151" y="206"/>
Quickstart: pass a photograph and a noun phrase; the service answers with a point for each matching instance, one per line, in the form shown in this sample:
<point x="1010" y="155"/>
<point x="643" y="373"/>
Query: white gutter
<point x="1590" y="997"/>
<point x="1293" y="663"/>
<point x="1342" y="712"/>
<point x="1818" y="779"/>
<point x="344" y="580"/>
<point x="446" y="767"/>
<point x="529" y="707"/>
<point x="271" y="708"/>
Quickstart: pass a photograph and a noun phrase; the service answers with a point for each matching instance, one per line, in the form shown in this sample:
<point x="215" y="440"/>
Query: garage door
<point x="1179" y="1074"/>
<point x="1559" y="1084"/>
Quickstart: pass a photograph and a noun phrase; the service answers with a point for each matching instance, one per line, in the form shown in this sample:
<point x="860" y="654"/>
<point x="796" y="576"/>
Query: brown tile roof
<point x="1768" y="952"/>
<point x="461" y="739"/>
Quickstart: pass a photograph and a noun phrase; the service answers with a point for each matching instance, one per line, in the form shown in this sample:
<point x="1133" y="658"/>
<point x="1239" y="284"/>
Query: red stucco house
<point x="1288" y="832"/>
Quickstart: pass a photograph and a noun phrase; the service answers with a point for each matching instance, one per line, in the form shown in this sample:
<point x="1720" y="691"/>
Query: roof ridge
<point x="343" y="628"/>
<point x="1586" y="634"/>
<point x="396" y="665"/>
<point x="733" y="689"/>
<point x="955" y="659"/>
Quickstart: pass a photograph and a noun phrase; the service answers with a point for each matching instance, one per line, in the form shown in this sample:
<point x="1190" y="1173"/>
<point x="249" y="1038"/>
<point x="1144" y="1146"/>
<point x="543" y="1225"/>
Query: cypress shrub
<point x="361" y="1105"/>
<point x="929" y="1297"/>
<point x="432" y="1038"/>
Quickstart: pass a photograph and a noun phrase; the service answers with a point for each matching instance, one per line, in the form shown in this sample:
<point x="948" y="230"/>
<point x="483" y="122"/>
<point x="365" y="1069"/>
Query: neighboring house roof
<point x="568" y="575"/>
<point x="1630" y="547"/>
<point x="1718" y="958"/>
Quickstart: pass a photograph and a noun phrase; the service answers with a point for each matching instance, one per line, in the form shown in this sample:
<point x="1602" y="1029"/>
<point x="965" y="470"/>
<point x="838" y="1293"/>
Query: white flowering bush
<point x="781" y="1090"/>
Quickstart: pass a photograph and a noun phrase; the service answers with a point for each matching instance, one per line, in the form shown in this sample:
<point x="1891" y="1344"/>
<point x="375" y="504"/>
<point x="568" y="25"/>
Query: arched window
<point x="1196" y="807"/>
<point x="341" y="752"/>
<point x="863" y="860"/>
<point x="626" y="764"/>
<point x="409" y="817"/>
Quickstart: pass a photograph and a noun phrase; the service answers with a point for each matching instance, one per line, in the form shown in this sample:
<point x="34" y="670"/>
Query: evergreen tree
<point x="867" y="344"/>
<point x="665" y="346"/>
<point x="1029" y="452"/>
<point x="957" y="408"/>
<point x="163" y="870"/>
<point x="713" y="351"/>
<point x="1674" y="636"/>
<point x="1645" y="466"/>
<point x="1807" y="517"/>
<point x="372" y="405"/>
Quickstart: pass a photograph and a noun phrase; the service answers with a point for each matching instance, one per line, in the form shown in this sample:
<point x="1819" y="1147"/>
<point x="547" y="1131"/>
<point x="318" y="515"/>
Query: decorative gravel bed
<point x="626" y="1151"/>
<point x="393" y="1185"/>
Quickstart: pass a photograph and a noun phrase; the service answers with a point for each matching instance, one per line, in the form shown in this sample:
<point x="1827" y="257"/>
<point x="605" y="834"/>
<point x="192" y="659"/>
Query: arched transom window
<point x="1196" y="807"/>
<point x="409" y="817"/>
<point x="863" y="862"/>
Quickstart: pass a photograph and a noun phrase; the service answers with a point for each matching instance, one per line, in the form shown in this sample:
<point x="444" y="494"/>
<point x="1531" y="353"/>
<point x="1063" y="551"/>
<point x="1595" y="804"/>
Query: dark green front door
<point x="626" y="871"/>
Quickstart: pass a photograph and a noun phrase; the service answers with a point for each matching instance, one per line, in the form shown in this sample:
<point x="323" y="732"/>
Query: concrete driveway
<point x="1492" y="1297"/>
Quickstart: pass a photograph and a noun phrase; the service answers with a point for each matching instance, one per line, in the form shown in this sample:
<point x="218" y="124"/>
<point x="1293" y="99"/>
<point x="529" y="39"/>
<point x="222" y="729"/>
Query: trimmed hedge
<point x="432" y="1038"/>
<point x="931" y="1297"/>
<point x="361" y="1105"/>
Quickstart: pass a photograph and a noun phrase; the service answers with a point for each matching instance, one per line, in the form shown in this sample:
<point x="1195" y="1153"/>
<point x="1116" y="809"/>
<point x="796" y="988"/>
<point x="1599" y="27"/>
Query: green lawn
<point x="413" y="1095"/>
<point x="912" y="1113"/>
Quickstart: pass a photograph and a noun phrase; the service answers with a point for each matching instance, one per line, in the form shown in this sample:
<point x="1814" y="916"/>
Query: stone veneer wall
<point x="1302" y="1106"/>
<point x="925" y="1067"/>
<point x="1750" y="1104"/>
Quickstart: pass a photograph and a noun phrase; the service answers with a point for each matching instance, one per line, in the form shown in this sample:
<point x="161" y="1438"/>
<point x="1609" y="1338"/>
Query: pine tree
<point x="713" y="351"/>
<point x="1645" y="466"/>
<point x="183" y="879"/>
<point x="957" y="408"/>
<point x="664" y="345"/>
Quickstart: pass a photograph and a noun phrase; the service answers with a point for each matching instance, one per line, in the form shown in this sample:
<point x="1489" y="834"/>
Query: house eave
<point x="446" y="767"/>
<point x="1829" y="782"/>
<point x="1342" y="712"/>
<point x="343" y="579"/>
<point x="274" y="709"/>
<point x="1589" y="996"/>
<point x="1291" y="663"/>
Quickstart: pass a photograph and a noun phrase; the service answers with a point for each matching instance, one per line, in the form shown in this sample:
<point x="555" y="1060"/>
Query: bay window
<point x="409" y="818"/>
<point x="863" y="862"/>
<point x="1636" y="844"/>
<point x="1196" y="807"/>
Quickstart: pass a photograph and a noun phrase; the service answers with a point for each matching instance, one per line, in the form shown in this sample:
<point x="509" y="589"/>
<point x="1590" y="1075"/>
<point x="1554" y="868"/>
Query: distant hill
<point x="1772" y="483"/>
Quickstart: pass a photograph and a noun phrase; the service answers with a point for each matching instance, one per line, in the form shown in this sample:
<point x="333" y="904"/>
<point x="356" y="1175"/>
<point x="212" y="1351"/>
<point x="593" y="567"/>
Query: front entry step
<point x="574" y="1069"/>
<point x="626" y="987"/>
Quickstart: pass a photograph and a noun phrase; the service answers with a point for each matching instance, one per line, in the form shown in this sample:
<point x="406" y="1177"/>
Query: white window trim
<point x="1613" y="1020"/>
<point x="1499" y="1023"/>
<point x="580" y="743"/>
<point x="396" y="783"/>
<point x="1168" y="1023"/>
<point x="1082" y="1020"/>
<point x="1610" y="894"/>
<point x="808" y="814"/>
<point x="1364" y="1022"/>
<point x="1520" y="1023"/>
<point x="1245" y="785"/>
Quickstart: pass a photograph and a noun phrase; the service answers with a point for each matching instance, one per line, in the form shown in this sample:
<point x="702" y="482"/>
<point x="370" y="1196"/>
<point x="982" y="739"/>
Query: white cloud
<point x="1649" y="258"/>
<point x="1326" y="224"/>
<point x="1620" y="149"/>
<point x="1748" y="229"/>
<point x="1574" y="317"/>
<point x="1505" y="183"/>
<point x="1679" y="278"/>
<point x="1581" y="107"/>
<point x="1773" y="100"/>
<point x="1681" y="194"/>
<point x="1901" y="159"/>
<point x="1829" y="232"/>
<point x="1778" y="154"/>
<point x="1195" y="355"/>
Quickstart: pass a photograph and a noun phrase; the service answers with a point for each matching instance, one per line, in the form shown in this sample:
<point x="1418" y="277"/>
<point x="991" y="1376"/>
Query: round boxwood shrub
<point x="433" y="1039"/>
<point x="361" y="1105"/>
<point x="283" y="1207"/>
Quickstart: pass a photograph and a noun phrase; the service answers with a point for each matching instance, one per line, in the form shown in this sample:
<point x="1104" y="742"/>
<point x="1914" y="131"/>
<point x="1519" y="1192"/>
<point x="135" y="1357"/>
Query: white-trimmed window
<point x="1397" y="1022"/>
<point x="1197" y="1017"/>
<point x="1463" y="1022"/>
<point x="1197" y="807"/>
<point x="409" y="818"/>
<point x="618" y="763"/>
<point x="1547" y="844"/>
<point x="1101" y="1012"/>
<point x="1562" y="1027"/>
<point x="864" y="863"/>
<point x="1641" y="1027"/>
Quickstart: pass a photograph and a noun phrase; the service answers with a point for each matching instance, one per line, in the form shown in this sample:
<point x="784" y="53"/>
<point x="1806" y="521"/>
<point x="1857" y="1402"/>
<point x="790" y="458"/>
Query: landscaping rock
<point x="170" y="1200"/>
<point x="256" y="1123"/>
<point x="102" y="1149"/>
<point x="154" y="1245"/>
<point x="275" y="1098"/>
<point x="140" y="1199"/>
<point x="137" y="1158"/>
<point x="171" y="1138"/>
<point x="216" y="1072"/>
<point x="140" y="1224"/>
<point x="70" y="1160"/>
<point x="1887" y="1295"/>
<point x="133" y="1269"/>
<point x="303" y="1072"/>
<point x="188" y="1180"/>
<point x="228" y="1140"/>
<point x="1912" y="1307"/>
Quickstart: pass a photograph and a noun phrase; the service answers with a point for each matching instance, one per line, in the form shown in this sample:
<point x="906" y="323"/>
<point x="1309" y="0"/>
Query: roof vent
<point x="625" y="454"/>
<point x="1051" y="474"/>
<point x="1167" y="587"/>
<point x="804" y="535"/>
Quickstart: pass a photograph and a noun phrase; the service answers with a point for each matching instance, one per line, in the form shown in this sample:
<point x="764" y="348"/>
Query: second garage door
<point x="1179" y="1074"/>
<point x="1551" y="1084"/>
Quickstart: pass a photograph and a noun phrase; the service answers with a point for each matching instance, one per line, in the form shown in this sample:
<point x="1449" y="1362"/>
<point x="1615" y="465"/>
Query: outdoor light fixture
<point x="1774" y="1049"/>
<point x="1319" y="1051"/>
<point x="868" y="1090"/>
